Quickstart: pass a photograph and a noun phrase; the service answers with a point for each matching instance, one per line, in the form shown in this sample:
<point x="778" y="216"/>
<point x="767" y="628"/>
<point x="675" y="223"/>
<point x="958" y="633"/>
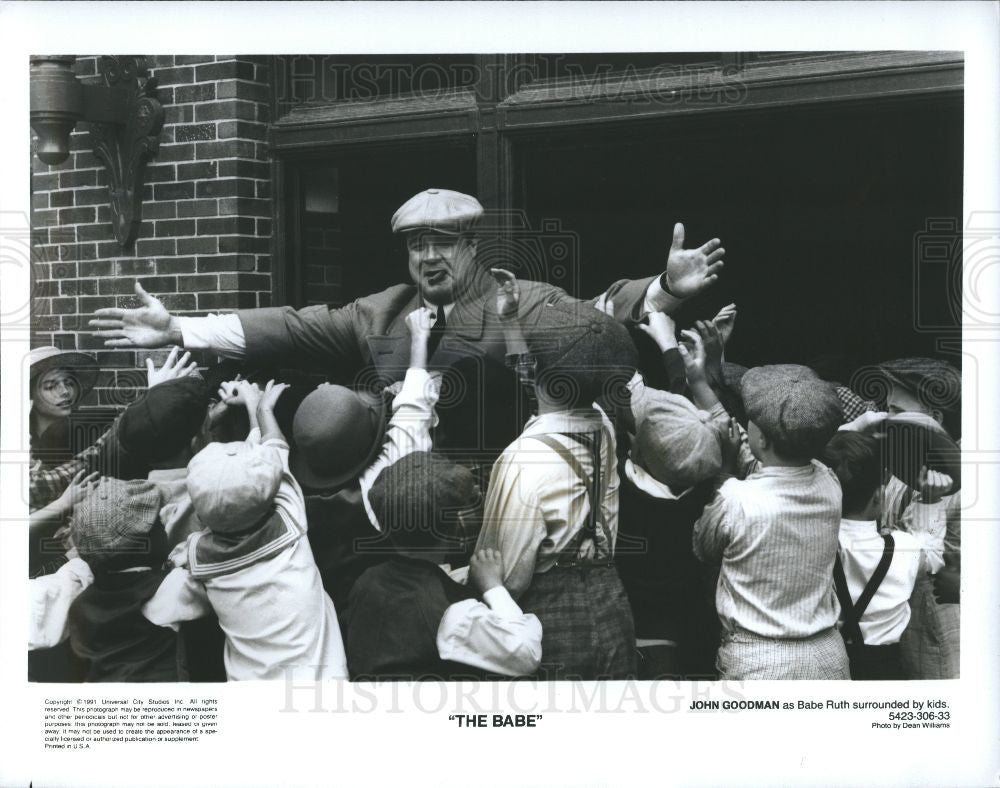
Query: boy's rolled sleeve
<point x="497" y="637"/>
<point x="51" y="597"/>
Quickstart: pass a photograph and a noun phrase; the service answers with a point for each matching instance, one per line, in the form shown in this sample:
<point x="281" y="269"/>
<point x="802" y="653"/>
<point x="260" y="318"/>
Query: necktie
<point x="437" y="331"/>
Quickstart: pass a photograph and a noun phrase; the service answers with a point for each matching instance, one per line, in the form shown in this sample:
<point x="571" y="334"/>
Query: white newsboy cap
<point x="441" y="210"/>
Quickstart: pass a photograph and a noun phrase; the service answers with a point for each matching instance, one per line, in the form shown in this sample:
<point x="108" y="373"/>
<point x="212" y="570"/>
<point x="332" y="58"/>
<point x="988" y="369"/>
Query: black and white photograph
<point x="505" y="370"/>
<point x="568" y="366"/>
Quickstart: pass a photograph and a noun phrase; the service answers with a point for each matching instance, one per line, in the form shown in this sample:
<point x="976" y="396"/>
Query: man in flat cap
<point x="370" y="334"/>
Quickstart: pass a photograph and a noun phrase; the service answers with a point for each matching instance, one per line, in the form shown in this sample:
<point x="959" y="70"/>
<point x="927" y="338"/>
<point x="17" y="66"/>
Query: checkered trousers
<point x="587" y="627"/>
<point x="745" y="656"/>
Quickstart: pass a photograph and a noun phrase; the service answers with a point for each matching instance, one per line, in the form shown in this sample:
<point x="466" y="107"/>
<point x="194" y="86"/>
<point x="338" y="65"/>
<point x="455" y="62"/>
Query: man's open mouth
<point x="435" y="277"/>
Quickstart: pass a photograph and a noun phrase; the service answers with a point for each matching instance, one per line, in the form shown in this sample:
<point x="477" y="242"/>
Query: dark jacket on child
<point x="392" y="622"/>
<point x="669" y="590"/>
<point x="107" y="627"/>
<point x="344" y="543"/>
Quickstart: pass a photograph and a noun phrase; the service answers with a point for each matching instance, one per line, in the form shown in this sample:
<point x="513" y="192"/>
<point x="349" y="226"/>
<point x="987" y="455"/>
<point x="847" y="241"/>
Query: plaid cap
<point x="673" y="440"/>
<point x="115" y="518"/>
<point x="441" y="210"/>
<point x="793" y="407"/>
<point x="232" y="485"/>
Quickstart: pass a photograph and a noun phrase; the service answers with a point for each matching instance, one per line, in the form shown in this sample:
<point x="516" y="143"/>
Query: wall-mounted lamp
<point x="125" y="121"/>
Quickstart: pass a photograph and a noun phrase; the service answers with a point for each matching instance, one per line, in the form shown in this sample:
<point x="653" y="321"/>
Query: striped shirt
<point x="775" y="534"/>
<point x="536" y="506"/>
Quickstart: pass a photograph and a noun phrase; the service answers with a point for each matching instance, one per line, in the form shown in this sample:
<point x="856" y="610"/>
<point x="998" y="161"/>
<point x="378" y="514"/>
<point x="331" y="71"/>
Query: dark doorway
<point x="346" y="202"/>
<point x="819" y="212"/>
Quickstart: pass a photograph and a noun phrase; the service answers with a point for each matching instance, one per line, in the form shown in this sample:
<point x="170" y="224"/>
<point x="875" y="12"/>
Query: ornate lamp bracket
<point x="124" y="118"/>
<point x="125" y="145"/>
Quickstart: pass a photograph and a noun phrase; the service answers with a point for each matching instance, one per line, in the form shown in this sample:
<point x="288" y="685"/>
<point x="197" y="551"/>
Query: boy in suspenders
<point x="552" y="504"/>
<point x="874" y="574"/>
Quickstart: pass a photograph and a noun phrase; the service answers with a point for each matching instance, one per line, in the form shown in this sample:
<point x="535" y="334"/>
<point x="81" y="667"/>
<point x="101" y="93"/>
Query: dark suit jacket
<point x="367" y="344"/>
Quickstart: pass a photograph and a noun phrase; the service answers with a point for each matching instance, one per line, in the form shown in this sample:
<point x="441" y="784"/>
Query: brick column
<point x="204" y="243"/>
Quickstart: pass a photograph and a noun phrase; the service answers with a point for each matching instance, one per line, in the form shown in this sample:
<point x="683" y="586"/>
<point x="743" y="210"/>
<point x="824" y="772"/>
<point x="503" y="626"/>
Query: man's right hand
<point x="148" y="326"/>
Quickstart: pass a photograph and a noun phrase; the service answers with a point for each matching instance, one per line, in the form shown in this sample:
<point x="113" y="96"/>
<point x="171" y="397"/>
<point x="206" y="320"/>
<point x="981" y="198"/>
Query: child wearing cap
<point x="342" y="443"/>
<point x="928" y="389"/>
<point x="407" y="617"/>
<point x="552" y="505"/>
<point x="252" y="563"/>
<point x="874" y="574"/>
<point x="675" y="453"/>
<point x="775" y="535"/>
<point x="118" y="533"/>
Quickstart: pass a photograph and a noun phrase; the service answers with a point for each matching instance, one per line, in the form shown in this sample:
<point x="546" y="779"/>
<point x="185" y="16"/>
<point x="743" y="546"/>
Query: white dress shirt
<point x="494" y="635"/>
<point x="861" y="549"/>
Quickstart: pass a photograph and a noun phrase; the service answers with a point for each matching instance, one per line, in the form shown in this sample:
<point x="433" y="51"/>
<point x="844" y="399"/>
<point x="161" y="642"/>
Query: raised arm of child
<point x="494" y="635"/>
<point x="79" y="487"/>
<point x="245" y="393"/>
<point x="695" y="360"/>
<point x="413" y="416"/>
<point x="268" y="424"/>
<point x="508" y="299"/>
<point x="661" y="328"/>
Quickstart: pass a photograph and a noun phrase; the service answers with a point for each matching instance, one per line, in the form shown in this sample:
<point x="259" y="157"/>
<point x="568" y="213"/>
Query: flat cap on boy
<point x="442" y="210"/>
<point x="115" y="518"/>
<point x="792" y="406"/>
<point x="673" y="440"/>
<point x="232" y="485"/>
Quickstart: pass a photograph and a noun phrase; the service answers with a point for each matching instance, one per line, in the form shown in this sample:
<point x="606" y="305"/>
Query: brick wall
<point x="204" y="242"/>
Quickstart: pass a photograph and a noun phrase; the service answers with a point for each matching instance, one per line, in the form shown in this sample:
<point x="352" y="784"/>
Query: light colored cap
<point x="441" y="210"/>
<point x="232" y="485"/>
<point x="674" y="442"/>
<point x="80" y="365"/>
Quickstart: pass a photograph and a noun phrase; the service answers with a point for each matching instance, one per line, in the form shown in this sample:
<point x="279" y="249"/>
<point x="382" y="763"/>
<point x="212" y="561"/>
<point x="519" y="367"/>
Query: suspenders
<point x="594" y="485"/>
<point x="853" y="611"/>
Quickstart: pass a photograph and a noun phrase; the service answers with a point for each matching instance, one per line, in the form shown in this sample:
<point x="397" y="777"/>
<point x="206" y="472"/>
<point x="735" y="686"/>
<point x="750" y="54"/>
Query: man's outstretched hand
<point x="148" y="325"/>
<point x="689" y="271"/>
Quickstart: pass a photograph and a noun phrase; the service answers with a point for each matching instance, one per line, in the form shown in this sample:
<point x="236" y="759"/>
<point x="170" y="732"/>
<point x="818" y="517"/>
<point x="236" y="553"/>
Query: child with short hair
<point x="874" y="574"/>
<point x="775" y="534"/>
<point x="407" y="617"/>
<point x="253" y="564"/>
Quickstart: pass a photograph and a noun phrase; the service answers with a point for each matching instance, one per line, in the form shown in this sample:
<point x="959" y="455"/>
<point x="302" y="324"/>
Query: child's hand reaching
<point x="661" y="328"/>
<point x="725" y="321"/>
<point x="486" y="570"/>
<point x="269" y="397"/>
<point x="508" y="293"/>
<point x="171" y="368"/>
<point x="419" y="322"/>
<point x="78" y="489"/>
<point x="242" y="392"/>
<point x="693" y="353"/>
<point x="711" y="338"/>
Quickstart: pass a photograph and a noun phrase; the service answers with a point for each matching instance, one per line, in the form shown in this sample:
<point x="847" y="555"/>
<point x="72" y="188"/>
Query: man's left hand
<point x="689" y="271"/>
